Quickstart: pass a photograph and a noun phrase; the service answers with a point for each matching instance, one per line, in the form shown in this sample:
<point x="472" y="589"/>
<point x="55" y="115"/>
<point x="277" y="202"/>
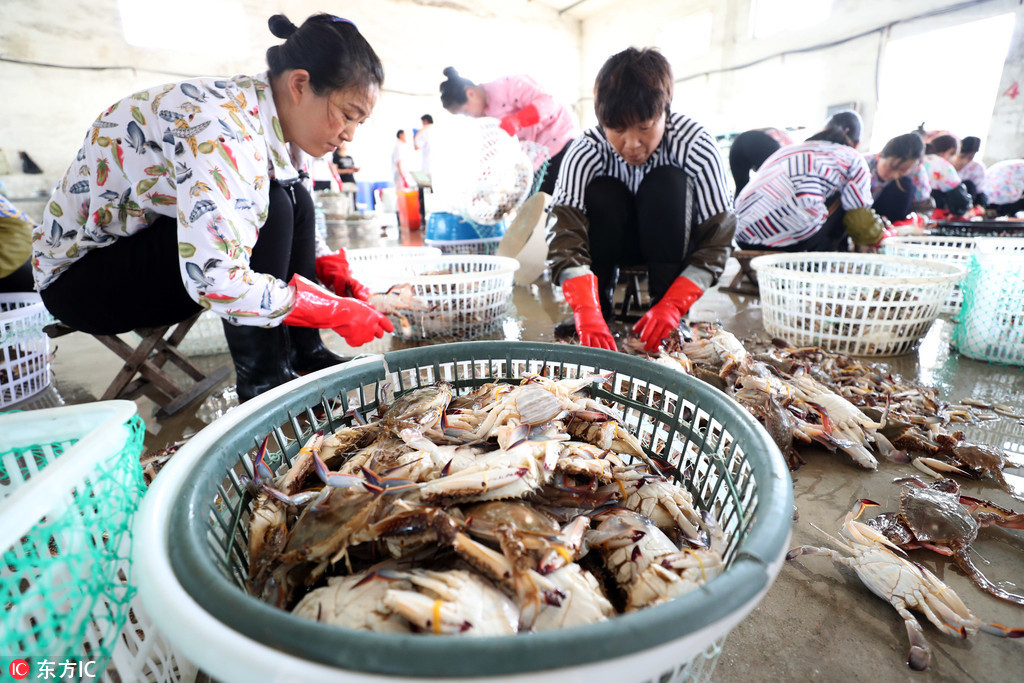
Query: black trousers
<point x="1008" y="209"/>
<point x="18" y="281"/>
<point x="894" y="201"/>
<point x="650" y="229"/>
<point x="136" y="281"/>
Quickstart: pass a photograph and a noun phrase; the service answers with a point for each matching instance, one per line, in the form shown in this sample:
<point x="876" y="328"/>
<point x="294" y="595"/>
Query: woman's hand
<point x="333" y="270"/>
<point x="354" y="320"/>
<point x="665" y="315"/>
<point x="581" y="293"/>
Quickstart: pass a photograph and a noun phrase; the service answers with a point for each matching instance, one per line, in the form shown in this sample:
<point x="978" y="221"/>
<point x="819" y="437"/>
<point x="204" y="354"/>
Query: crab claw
<point x="926" y="465"/>
<point x="298" y="499"/>
<point x="379" y="484"/>
<point x="261" y="471"/>
<point x="335" y="480"/>
<point x="1002" y="631"/>
<point x="863" y="504"/>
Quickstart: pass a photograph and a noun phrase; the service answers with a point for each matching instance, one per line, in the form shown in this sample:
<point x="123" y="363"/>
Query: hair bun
<point x="281" y="26"/>
<point x="450" y="72"/>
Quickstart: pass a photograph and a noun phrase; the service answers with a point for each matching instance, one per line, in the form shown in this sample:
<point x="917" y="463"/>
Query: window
<point x="947" y="79"/>
<point x="771" y="17"/>
<point x="219" y="27"/>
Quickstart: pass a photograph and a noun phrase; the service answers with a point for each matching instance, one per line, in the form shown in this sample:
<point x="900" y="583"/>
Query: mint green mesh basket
<point x="70" y="482"/>
<point x="991" y="322"/>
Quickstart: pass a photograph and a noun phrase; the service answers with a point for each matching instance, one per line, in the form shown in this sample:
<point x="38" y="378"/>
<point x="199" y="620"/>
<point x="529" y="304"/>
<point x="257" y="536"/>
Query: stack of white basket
<point x="24" y="347"/>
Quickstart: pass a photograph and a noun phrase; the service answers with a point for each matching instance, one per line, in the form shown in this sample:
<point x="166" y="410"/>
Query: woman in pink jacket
<point x="525" y="111"/>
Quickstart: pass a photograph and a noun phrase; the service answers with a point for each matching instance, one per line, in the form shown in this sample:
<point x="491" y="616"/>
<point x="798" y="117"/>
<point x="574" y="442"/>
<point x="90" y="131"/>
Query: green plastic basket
<point x="71" y="482"/>
<point x="193" y="525"/>
<point x="991" y="322"/>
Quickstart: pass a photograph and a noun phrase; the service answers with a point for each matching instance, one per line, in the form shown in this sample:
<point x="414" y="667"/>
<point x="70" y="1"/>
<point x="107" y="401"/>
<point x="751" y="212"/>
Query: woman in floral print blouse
<point x="183" y="197"/>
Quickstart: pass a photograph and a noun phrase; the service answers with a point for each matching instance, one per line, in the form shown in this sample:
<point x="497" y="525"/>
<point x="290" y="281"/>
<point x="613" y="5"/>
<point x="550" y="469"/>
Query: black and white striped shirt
<point x="685" y="145"/>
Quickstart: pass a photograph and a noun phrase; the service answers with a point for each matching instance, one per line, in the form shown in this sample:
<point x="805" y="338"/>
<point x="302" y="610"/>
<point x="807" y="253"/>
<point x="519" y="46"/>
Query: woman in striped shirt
<point x="805" y="196"/>
<point x="645" y="187"/>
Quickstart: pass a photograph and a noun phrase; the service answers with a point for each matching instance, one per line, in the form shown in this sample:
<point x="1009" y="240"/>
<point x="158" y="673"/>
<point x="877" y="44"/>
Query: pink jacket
<point x="508" y="95"/>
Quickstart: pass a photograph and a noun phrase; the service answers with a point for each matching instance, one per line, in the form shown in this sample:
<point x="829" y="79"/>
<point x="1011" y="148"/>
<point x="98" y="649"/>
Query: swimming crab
<point x="936" y="517"/>
<point x="975" y="457"/>
<point x="904" y="584"/>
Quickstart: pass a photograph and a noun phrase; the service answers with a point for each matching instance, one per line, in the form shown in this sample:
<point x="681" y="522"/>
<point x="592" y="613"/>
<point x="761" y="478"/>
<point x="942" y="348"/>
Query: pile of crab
<point x="509" y="508"/>
<point x="807" y="395"/>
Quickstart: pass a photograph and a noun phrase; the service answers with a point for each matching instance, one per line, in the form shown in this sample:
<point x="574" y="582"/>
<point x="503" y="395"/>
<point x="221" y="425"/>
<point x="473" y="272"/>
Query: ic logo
<point x="19" y="669"/>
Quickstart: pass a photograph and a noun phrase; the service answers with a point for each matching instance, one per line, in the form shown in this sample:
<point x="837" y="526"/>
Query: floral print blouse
<point x="202" y="150"/>
<point x="975" y="172"/>
<point x="1004" y="182"/>
<point x="941" y="174"/>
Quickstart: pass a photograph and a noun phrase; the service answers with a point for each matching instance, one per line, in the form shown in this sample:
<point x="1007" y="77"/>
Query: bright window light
<point x="771" y="17"/>
<point x="217" y="28"/>
<point x="955" y="94"/>
<point x="686" y="39"/>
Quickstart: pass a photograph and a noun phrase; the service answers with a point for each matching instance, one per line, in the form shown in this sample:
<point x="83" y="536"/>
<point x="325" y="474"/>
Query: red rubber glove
<point x="354" y="320"/>
<point x="664" y="316"/>
<point x="581" y="293"/>
<point x="524" y="118"/>
<point x="333" y="270"/>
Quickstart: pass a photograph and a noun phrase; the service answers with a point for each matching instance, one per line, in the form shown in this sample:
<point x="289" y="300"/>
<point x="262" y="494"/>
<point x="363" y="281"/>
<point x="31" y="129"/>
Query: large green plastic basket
<point x="192" y="530"/>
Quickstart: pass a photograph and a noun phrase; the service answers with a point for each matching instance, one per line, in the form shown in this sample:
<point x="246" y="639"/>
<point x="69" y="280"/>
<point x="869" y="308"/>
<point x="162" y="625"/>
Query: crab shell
<point x="937" y="517"/>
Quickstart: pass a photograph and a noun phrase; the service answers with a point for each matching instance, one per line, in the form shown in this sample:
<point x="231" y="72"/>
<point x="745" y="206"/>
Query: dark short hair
<point x="904" y="147"/>
<point x="970" y="145"/>
<point x="843" y="129"/>
<point x="331" y="49"/>
<point x="942" y="143"/>
<point x="427" y="118"/>
<point x="453" y="89"/>
<point x="633" y="86"/>
<point x="400" y="133"/>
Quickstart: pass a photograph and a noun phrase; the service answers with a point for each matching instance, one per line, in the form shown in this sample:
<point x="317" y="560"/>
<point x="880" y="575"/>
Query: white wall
<point x="743" y="83"/>
<point x="47" y="111"/>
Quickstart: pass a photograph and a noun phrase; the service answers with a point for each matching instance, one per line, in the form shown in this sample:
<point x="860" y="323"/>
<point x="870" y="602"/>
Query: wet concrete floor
<point x="818" y="621"/>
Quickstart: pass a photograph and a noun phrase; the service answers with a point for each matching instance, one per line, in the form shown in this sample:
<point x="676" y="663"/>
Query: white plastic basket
<point x="950" y="249"/>
<point x="70" y="484"/>
<point x="460" y="297"/>
<point x="860" y="304"/>
<point x="365" y="263"/>
<point x="24" y="347"/>
<point x="205" y="337"/>
<point x="486" y="246"/>
<point x="991" y="323"/>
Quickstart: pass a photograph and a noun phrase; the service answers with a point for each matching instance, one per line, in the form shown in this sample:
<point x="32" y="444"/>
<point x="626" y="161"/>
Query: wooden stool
<point x="745" y="280"/>
<point x="147" y="360"/>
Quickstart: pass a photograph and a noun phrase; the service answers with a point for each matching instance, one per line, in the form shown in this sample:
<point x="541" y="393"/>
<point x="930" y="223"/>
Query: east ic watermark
<point x="43" y="669"/>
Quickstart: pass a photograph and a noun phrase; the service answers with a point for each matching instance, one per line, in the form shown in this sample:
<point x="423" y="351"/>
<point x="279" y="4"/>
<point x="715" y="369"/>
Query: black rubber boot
<point x="308" y="352"/>
<point x="261" y="360"/>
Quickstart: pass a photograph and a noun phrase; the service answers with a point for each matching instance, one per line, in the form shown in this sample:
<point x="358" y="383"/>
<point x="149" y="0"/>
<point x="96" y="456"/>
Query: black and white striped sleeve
<point x="704" y="163"/>
<point x="580" y="165"/>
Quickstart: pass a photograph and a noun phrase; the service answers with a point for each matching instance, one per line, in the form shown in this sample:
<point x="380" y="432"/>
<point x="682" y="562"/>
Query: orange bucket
<point x="409" y="209"/>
